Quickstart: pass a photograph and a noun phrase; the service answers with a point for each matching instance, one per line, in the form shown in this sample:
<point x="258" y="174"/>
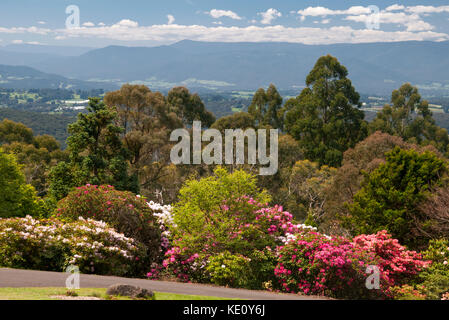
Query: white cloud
<point x="42" y="22"/>
<point x="32" y="30"/>
<point x="413" y="22"/>
<point x="427" y="9"/>
<point x="216" y="14"/>
<point x="101" y="24"/>
<point x="322" y="11"/>
<point x="126" y="23"/>
<point x="307" y="35"/>
<point x="395" y="7"/>
<point x="17" y="41"/>
<point x="88" y="24"/>
<point x="170" y="18"/>
<point x="269" y="15"/>
<point x="325" y="21"/>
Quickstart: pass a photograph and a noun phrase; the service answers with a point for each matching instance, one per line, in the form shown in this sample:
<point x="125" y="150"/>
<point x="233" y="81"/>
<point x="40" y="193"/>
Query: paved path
<point x="15" y="278"/>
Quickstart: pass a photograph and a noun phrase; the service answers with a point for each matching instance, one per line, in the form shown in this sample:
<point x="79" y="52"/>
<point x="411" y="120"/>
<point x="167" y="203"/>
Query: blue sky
<point x="153" y="22"/>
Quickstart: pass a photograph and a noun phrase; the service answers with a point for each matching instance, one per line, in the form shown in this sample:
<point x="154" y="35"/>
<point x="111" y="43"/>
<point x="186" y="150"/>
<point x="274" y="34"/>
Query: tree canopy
<point x="325" y="118"/>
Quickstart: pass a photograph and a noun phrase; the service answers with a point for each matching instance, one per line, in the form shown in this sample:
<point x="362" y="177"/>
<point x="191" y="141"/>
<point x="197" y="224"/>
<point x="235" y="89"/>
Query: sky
<point x="98" y="23"/>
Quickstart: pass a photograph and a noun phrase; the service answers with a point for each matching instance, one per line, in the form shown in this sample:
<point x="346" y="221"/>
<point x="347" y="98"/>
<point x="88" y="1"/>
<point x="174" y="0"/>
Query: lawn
<point x="48" y="293"/>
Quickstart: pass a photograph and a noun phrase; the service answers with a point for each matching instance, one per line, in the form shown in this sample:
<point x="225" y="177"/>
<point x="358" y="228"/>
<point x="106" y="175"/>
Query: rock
<point x="127" y="290"/>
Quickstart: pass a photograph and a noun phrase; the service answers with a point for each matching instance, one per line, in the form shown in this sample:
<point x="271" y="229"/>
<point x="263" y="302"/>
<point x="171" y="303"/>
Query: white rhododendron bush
<point x="53" y="245"/>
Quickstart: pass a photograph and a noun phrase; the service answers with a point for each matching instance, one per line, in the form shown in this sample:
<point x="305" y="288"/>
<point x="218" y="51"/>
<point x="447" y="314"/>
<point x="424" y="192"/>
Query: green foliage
<point x="189" y="106"/>
<point x="41" y="123"/>
<point x="226" y="269"/>
<point x="307" y="185"/>
<point x="266" y="107"/>
<point x="11" y="131"/>
<point x="97" y="155"/>
<point x="122" y="210"/>
<point x="324" y="118"/>
<point x="198" y="199"/>
<point x="239" y="120"/>
<point x="390" y="194"/>
<point x="17" y="199"/>
<point x="147" y="120"/>
<point x="436" y="277"/>
<point x="409" y="117"/>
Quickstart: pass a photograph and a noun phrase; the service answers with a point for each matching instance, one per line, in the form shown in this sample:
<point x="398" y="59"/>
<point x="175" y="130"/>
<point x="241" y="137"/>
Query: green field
<point x="49" y="293"/>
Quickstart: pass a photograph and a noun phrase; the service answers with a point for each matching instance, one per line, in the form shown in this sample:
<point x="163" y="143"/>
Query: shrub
<point x="17" y="199"/>
<point x="122" y="210"/>
<point x="319" y="265"/>
<point x="390" y="196"/>
<point x="398" y="265"/>
<point x="226" y="269"/>
<point x="240" y="226"/>
<point x="408" y="292"/>
<point x="312" y="263"/>
<point x="436" y="277"/>
<point x="52" y="245"/>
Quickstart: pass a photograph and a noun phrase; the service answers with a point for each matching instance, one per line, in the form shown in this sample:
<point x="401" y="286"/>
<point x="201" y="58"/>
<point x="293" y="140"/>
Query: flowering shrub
<point x="315" y="264"/>
<point x="396" y="264"/>
<point x="124" y="211"/>
<point x="240" y="227"/>
<point x="164" y="217"/>
<point x="408" y="292"/>
<point x="436" y="277"/>
<point x="52" y="245"/>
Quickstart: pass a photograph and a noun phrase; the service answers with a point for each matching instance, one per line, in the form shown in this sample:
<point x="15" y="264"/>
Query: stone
<point x="127" y="290"/>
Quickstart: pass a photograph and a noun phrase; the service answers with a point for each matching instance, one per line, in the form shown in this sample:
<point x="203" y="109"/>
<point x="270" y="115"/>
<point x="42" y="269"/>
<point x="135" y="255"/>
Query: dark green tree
<point x="266" y="107"/>
<point x="189" y="107"/>
<point x="325" y="118"/>
<point x="97" y="155"/>
<point x="390" y="195"/>
<point x="409" y="117"/>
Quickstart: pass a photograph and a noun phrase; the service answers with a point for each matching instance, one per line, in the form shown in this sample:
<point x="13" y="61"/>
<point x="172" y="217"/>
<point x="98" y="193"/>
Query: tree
<point x="266" y="107"/>
<point x="189" y="107"/>
<point x="325" y="118"/>
<point x="147" y="120"/>
<point x="390" y="195"/>
<point x="17" y="198"/>
<point x="307" y="187"/>
<point x="35" y="154"/>
<point x="409" y="117"/>
<point x="97" y="155"/>
<point x="238" y="120"/>
<point x="11" y="131"/>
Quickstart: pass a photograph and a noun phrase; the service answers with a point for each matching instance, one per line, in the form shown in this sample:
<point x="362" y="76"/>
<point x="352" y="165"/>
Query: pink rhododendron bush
<point x="313" y="263"/>
<point x="243" y="232"/>
<point x="52" y="245"/>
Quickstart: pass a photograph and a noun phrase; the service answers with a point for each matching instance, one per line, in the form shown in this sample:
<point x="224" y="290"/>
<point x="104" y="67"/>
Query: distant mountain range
<point x="375" y="68"/>
<point x="22" y="77"/>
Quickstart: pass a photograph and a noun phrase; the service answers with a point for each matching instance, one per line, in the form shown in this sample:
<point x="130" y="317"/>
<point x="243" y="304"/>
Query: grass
<point x="47" y="293"/>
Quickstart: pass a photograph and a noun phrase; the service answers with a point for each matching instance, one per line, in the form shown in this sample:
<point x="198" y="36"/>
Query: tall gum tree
<point x="325" y="118"/>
